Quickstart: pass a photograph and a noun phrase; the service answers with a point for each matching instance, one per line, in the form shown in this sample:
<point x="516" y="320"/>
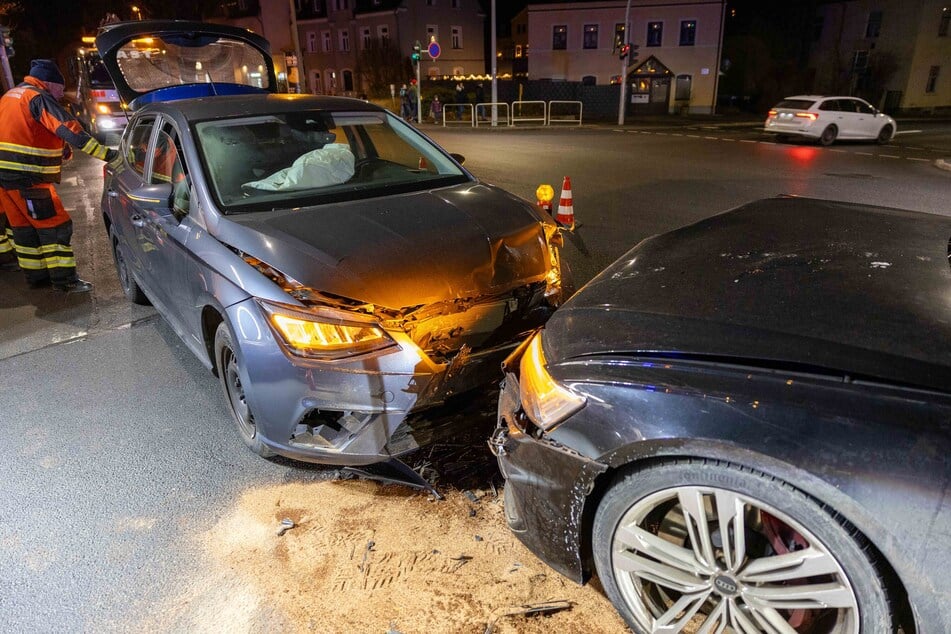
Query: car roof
<point x="855" y="288"/>
<point x="254" y="105"/>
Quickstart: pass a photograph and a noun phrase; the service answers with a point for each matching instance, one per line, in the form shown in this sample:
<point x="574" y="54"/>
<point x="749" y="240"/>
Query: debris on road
<point x="286" y="525"/>
<point x="546" y="607"/>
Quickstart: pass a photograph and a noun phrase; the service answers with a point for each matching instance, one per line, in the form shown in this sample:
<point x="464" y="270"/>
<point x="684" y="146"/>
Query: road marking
<point x="839" y="151"/>
<point x="910" y="158"/>
<point x="693" y="136"/>
<point x="908" y="132"/>
<point x="748" y="141"/>
<point x="768" y="142"/>
<point x="661" y="133"/>
<point x="889" y="156"/>
<point x="676" y="134"/>
<point x="865" y="153"/>
<point x="712" y="138"/>
<point x="731" y="140"/>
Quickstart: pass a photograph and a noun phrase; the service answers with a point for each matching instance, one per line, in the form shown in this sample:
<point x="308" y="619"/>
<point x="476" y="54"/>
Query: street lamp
<point x="136" y="11"/>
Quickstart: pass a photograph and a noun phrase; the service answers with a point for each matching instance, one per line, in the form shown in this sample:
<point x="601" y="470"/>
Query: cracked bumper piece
<point x="345" y="412"/>
<point x="545" y="488"/>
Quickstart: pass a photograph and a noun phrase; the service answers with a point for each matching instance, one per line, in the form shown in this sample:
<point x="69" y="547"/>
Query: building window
<point x="945" y="22"/>
<point x="344" y="35"/>
<point x="457" y="37"/>
<point x="328" y="45"/>
<point x="874" y="26"/>
<point x="311" y="41"/>
<point x="518" y="50"/>
<point x="591" y="36"/>
<point x="383" y="31"/>
<point x="458" y="71"/>
<point x="559" y="37"/>
<point x="348" y="81"/>
<point x="431" y="31"/>
<point x="817" y="24"/>
<point x="365" y="37"/>
<point x="655" y="34"/>
<point x="618" y="35"/>
<point x="688" y="32"/>
<point x="859" y="61"/>
<point x="932" y="79"/>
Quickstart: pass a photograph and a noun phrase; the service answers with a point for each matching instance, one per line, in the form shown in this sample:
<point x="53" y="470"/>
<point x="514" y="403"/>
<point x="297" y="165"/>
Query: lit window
<point x="559" y="37"/>
<point x="655" y="33"/>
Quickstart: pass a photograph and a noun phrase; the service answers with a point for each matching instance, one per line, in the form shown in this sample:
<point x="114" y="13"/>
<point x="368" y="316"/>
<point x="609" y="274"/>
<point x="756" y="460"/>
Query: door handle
<point x="137" y="220"/>
<point x="113" y="193"/>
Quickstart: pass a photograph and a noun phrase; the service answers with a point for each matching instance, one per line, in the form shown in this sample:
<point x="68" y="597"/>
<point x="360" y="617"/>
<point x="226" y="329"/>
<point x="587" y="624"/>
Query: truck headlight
<point x="324" y="333"/>
<point x="545" y="401"/>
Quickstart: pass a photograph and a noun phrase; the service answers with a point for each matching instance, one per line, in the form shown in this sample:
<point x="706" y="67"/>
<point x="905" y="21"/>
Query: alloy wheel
<point x="713" y="560"/>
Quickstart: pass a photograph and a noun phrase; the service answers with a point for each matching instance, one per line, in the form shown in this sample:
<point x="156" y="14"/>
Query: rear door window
<point x="862" y="107"/>
<point x="829" y="105"/>
<point x="137" y="145"/>
<point x="796" y="104"/>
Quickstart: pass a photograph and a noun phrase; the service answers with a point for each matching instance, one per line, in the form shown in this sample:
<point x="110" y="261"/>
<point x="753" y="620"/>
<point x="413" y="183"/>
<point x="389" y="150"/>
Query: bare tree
<point x="379" y="65"/>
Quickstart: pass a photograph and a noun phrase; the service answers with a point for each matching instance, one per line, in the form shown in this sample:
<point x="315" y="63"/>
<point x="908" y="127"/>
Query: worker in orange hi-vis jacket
<point x="34" y="133"/>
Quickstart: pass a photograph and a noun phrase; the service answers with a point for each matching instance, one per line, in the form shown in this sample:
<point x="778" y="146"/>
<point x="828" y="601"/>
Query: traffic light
<point x="625" y="50"/>
<point x="7" y="40"/>
<point x="632" y="51"/>
<point x="417" y="48"/>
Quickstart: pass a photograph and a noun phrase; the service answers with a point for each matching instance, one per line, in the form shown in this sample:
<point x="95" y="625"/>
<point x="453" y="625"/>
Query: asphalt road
<point x="116" y="451"/>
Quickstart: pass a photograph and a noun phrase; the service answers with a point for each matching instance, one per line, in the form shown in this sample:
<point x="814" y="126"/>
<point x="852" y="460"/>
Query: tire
<point x="643" y="546"/>
<point x="228" y="363"/>
<point x="829" y="135"/>
<point x="130" y="287"/>
<point x="885" y="134"/>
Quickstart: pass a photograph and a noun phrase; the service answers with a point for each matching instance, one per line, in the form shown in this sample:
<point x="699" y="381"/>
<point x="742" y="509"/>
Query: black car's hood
<point x="857" y="289"/>
<point x="402" y="251"/>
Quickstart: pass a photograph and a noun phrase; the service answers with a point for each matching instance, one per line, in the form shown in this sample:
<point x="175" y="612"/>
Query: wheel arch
<point x="211" y="317"/>
<point x="641" y="454"/>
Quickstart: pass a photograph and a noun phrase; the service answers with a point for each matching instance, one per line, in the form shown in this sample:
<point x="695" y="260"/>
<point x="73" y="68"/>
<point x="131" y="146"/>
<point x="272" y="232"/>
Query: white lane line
<point x="910" y="158"/>
<point x="748" y="141"/>
<point x="730" y="140"/>
<point x="864" y="153"/>
<point x="712" y="138"/>
<point x="676" y="134"/>
<point x="768" y="142"/>
<point x="839" y="151"/>
<point x="618" y="130"/>
<point x="693" y="136"/>
<point x="908" y="132"/>
<point x="889" y="156"/>
<point x="661" y="133"/>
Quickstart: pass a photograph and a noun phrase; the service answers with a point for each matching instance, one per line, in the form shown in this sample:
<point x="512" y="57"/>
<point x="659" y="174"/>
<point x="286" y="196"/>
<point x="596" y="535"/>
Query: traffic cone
<point x="566" y="210"/>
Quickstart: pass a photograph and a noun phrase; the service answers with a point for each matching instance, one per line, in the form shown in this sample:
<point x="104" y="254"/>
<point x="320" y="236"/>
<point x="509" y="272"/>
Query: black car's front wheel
<point x="707" y="546"/>
<point x="232" y="382"/>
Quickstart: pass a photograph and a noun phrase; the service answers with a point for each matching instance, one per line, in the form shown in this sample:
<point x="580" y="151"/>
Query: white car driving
<point x="828" y="119"/>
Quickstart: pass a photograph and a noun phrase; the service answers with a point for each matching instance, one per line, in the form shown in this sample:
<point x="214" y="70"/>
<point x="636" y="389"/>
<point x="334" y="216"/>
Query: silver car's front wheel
<point x="230" y="375"/>
<point x="707" y="547"/>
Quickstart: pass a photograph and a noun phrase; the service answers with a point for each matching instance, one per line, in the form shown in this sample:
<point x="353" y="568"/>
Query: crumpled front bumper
<point x="546" y="486"/>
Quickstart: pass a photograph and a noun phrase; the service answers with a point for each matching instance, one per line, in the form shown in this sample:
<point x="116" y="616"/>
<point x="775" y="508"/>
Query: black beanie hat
<point x="46" y="70"/>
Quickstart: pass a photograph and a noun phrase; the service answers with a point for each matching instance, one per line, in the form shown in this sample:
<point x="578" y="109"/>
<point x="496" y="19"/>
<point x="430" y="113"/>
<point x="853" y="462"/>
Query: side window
<point x="864" y="108"/>
<point x="168" y="167"/>
<point x="847" y="105"/>
<point x="830" y="104"/>
<point x="136" y="150"/>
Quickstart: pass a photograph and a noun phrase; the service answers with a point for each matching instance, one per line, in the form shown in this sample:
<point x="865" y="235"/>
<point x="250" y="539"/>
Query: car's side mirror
<point x="458" y="158"/>
<point x="156" y="198"/>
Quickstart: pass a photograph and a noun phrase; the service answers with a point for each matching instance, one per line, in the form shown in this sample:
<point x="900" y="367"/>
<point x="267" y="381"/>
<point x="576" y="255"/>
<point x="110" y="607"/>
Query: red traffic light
<point x="625" y="50"/>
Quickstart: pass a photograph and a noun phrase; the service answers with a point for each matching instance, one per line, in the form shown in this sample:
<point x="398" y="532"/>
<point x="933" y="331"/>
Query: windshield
<point x="312" y="157"/>
<point x="98" y="75"/>
<point x="151" y="63"/>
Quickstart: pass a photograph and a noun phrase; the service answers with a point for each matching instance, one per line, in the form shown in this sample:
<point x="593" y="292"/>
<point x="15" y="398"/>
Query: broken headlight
<point x="325" y="334"/>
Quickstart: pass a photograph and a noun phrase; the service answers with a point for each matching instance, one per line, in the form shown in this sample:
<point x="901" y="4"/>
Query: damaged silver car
<point x="334" y="267"/>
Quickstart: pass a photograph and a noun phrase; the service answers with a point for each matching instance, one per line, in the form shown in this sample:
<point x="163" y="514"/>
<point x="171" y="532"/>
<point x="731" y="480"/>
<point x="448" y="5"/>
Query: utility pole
<point x="627" y="40"/>
<point x="7" y="73"/>
<point x="495" y="68"/>
<point x="295" y="38"/>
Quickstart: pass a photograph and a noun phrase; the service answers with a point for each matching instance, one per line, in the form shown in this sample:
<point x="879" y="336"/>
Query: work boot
<point x="77" y="286"/>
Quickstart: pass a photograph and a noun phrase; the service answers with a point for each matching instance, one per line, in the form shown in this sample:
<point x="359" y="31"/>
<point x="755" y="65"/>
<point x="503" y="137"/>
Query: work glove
<point x="111" y="155"/>
<point x="67" y="152"/>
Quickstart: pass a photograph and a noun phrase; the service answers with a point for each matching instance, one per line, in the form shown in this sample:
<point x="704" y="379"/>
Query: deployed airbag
<point x="329" y="165"/>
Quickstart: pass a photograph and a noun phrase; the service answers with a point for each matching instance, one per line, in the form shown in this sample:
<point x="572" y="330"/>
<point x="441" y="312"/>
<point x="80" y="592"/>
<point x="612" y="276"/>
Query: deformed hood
<point x="165" y="60"/>
<point x="859" y="289"/>
<point x="402" y="251"/>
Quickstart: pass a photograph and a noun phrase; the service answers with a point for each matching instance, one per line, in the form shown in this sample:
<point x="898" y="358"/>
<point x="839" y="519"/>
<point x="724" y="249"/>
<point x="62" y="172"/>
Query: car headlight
<point x="104" y="109"/>
<point x="324" y="333"/>
<point x="544" y="400"/>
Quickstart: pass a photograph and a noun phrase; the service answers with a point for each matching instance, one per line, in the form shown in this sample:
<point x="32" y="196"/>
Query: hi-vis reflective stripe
<point x="24" y="167"/>
<point x="26" y="149"/>
<point x="94" y="148"/>
<point x="46" y="248"/>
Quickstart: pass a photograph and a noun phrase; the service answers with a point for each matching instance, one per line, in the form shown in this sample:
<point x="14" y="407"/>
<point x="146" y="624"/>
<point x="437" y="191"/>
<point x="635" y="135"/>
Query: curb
<point x="943" y="164"/>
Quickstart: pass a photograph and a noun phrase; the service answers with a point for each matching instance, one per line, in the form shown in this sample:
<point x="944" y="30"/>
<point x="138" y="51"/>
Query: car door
<point x="124" y="207"/>
<point x="167" y="257"/>
<point x="866" y="125"/>
<point x="830" y="113"/>
<point x="849" y="117"/>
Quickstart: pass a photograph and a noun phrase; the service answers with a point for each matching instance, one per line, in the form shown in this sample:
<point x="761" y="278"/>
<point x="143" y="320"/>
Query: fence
<point x="566" y="112"/>
<point x="543" y="112"/>
<point x="484" y="111"/>
<point x="460" y="109"/>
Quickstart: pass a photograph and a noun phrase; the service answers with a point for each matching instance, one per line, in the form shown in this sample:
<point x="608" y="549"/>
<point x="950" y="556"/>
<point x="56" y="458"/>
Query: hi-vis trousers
<point x="41" y="232"/>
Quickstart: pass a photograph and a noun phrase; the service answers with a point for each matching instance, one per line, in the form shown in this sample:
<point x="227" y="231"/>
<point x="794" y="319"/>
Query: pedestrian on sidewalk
<point x="34" y="133"/>
<point x="435" y="109"/>
<point x="460" y="99"/>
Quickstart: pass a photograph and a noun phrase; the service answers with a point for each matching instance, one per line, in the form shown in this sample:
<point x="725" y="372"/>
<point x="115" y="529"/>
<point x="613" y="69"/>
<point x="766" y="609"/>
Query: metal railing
<point x="459" y="109"/>
<point x="484" y="113"/>
<point x="524" y="111"/>
<point x="568" y="112"/>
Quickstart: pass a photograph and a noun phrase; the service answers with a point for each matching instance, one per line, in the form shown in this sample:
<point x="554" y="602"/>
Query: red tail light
<point x="812" y="116"/>
<point x="771" y="113"/>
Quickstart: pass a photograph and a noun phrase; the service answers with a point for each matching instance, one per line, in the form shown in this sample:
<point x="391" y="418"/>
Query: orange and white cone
<point x="566" y="210"/>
